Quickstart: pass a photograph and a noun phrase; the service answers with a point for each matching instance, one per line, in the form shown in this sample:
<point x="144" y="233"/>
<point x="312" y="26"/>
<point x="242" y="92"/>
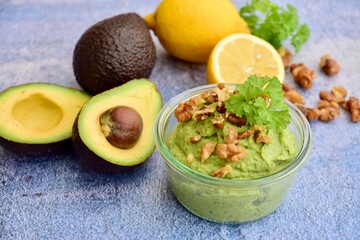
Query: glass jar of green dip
<point x="228" y="200"/>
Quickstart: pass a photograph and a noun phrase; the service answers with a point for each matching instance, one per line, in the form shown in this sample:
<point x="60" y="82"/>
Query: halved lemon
<point x="238" y="56"/>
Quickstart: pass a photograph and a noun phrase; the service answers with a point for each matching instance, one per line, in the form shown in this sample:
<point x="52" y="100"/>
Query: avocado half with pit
<point x="37" y="118"/>
<point x="114" y="130"/>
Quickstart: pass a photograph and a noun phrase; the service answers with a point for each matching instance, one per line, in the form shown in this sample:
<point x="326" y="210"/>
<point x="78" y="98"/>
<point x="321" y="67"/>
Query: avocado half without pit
<point x="114" y="130"/>
<point x="37" y="118"/>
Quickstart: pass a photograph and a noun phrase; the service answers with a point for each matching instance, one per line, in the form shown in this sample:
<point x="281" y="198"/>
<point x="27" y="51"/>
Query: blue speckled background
<point x="52" y="197"/>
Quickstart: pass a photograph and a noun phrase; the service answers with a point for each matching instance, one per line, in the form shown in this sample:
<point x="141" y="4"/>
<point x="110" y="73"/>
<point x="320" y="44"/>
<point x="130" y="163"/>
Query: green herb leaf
<point x="301" y="36"/>
<point x="261" y="101"/>
<point x="274" y="23"/>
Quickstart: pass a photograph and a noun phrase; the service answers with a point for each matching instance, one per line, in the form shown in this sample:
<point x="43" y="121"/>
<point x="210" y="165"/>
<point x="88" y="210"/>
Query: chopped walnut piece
<point x="190" y="158"/>
<point x="325" y="104"/>
<point x="311" y="114"/>
<point x="209" y="96"/>
<point x="221" y="150"/>
<point x="239" y="156"/>
<point x="261" y="137"/>
<point x="302" y="75"/>
<point x="206" y="150"/>
<point x="294" y="97"/>
<point x="195" y="101"/>
<point x="327" y="96"/>
<point x="328" y="110"/>
<point x="222" y="172"/>
<point x="329" y="65"/>
<point x="220" y="107"/>
<point x="291" y="94"/>
<point x="238" y="121"/>
<point x="184" y="111"/>
<point x="218" y="121"/>
<point x="223" y="94"/>
<point x="246" y="134"/>
<point x="221" y="86"/>
<point x="338" y="90"/>
<point x="340" y="94"/>
<point x="337" y="94"/>
<point x="232" y="135"/>
<point x="230" y="152"/>
<point x="286" y="57"/>
<point x="353" y="106"/>
<point x="195" y="139"/>
<point x="202" y="113"/>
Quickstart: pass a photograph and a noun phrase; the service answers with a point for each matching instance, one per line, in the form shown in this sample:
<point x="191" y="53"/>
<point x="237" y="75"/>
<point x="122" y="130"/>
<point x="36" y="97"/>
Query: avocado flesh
<point x="90" y="142"/>
<point x="112" y="52"/>
<point x="37" y="113"/>
<point x="35" y="117"/>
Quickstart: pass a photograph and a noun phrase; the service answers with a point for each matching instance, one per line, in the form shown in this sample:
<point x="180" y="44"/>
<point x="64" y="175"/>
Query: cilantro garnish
<point x="274" y="23"/>
<point x="261" y="101"/>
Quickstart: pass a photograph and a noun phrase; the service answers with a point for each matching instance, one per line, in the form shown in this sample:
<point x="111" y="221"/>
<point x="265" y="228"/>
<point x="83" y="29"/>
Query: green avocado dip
<point x="260" y="159"/>
<point x="236" y="136"/>
<point x="214" y="141"/>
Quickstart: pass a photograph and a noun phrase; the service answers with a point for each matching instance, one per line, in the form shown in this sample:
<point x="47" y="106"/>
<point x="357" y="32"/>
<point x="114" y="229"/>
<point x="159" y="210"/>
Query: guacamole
<point x="260" y="159"/>
<point x="215" y="142"/>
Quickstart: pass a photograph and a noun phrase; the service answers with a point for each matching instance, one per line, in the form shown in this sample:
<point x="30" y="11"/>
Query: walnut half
<point x="329" y="65"/>
<point x="232" y="136"/>
<point x="353" y="106"/>
<point x="302" y="75"/>
<point x="291" y="94"/>
<point x="311" y="114"/>
<point x="328" y="110"/>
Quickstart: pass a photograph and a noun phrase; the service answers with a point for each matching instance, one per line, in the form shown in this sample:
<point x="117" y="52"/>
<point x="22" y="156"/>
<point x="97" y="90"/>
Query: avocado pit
<point x="122" y="126"/>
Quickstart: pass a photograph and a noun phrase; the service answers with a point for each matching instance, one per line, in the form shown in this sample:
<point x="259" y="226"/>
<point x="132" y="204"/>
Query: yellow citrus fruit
<point x="189" y="29"/>
<point x="238" y="56"/>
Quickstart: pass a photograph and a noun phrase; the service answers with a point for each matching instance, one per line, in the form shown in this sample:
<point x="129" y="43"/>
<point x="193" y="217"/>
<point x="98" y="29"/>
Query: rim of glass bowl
<point x="300" y="122"/>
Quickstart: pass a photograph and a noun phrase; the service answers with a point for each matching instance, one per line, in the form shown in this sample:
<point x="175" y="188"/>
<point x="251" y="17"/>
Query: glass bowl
<point x="228" y="200"/>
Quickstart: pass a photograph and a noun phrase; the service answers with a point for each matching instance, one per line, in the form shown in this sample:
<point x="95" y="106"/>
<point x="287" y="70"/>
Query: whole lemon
<point x="189" y="29"/>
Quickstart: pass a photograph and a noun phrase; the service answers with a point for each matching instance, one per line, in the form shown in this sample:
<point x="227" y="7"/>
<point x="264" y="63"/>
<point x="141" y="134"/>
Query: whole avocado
<point x="112" y="52"/>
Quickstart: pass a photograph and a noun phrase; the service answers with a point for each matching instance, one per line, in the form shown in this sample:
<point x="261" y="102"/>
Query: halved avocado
<point x="37" y="118"/>
<point x="89" y="141"/>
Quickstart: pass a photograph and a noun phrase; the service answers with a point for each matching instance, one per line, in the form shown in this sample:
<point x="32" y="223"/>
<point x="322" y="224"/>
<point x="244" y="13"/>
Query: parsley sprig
<point x="274" y="23"/>
<point x="261" y="101"/>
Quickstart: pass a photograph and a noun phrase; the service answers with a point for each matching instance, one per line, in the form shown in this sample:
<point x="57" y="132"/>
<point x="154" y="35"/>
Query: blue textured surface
<point x="54" y="198"/>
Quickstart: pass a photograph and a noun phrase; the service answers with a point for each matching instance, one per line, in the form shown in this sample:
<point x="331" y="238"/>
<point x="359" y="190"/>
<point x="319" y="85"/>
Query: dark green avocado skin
<point x="34" y="149"/>
<point x="112" y="52"/>
<point x="89" y="160"/>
